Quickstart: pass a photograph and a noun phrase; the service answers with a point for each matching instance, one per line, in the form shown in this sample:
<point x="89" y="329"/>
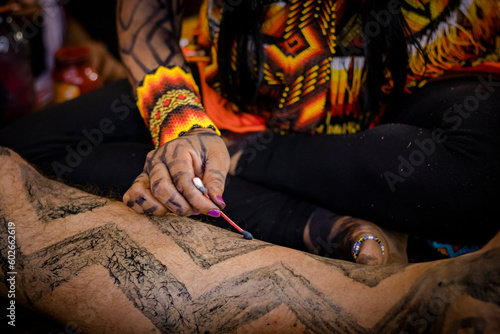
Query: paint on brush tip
<point x="247" y="235"/>
<point x="199" y="185"/>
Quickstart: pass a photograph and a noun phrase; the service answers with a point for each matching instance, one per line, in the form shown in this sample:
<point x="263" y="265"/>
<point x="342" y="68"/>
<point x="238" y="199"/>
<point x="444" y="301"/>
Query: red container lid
<point x="71" y="55"/>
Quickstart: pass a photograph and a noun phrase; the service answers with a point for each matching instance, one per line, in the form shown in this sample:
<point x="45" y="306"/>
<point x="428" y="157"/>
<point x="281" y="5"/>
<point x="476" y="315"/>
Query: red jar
<point x="73" y="75"/>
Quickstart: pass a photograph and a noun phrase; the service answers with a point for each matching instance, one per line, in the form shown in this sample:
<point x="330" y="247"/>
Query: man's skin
<point x="93" y="262"/>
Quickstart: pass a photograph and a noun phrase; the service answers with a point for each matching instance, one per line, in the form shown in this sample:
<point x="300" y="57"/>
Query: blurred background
<point x="55" y="50"/>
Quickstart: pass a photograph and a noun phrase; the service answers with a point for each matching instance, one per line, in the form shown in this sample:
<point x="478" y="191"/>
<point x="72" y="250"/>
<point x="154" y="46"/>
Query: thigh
<point x="465" y="101"/>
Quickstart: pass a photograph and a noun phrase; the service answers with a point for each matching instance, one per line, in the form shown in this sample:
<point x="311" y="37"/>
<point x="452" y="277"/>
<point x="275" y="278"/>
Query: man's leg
<point x="92" y="261"/>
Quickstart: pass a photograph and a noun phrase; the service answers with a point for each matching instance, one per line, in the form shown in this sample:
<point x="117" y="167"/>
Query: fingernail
<point x="220" y="199"/>
<point x="214" y="213"/>
<point x="195" y="213"/>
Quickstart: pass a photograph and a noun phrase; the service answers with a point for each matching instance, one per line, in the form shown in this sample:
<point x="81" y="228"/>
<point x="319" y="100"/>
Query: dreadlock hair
<point x="240" y="53"/>
<point x="386" y="51"/>
<point x="240" y="44"/>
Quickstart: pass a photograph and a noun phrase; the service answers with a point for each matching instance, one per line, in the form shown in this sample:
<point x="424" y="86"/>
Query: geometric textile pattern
<point x="308" y="87"/>
<point x="170" y="105"/>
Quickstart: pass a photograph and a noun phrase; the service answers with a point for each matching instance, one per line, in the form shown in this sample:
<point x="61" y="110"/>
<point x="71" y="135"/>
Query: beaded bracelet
<point x="357" y="245"/>
<point x="170" y="105"/>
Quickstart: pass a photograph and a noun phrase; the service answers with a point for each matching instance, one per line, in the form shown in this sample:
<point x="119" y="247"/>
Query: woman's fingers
<point x="214" y="178"/>
<point x="167" y="180"/>
<point x="182" y="173"/>
<point x="140" y="199"/>
<point x="163" y="188"/>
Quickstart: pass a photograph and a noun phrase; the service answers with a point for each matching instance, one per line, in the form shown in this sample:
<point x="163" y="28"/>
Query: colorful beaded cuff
<point x="170" y="105"/>
<point x="357" y="245"/>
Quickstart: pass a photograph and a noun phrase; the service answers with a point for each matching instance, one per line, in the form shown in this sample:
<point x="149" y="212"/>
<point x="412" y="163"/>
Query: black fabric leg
<point x="431" y="170"/>
<point x="98" y="138"/>
<point x="269" y="215"/>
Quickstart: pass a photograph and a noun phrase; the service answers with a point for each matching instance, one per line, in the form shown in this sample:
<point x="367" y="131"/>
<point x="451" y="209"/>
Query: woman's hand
<point x="166" y="183"/>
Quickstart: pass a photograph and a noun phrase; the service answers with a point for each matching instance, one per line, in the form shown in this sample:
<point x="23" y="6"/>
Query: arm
<point x="169" y="101"/>
<point x="148" y="33"/>
<point x="92" y="262"/>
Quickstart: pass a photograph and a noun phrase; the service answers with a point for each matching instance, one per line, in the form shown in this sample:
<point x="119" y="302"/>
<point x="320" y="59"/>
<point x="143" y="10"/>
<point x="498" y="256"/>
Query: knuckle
<point x="159" y="189"/>
<point x="149" y="160"/>
<point x="178" y="177"/>
<point x="176" y="208"/>
<point x="135" y="193"/>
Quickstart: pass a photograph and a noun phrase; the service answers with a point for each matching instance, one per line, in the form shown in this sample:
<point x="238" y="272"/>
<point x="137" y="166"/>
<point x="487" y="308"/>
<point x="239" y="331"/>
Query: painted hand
<point x="166" y="183"/>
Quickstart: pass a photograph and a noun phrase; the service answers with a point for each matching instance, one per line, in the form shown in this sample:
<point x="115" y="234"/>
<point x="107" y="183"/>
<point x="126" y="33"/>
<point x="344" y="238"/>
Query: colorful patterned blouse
<point x="313" y="82"/>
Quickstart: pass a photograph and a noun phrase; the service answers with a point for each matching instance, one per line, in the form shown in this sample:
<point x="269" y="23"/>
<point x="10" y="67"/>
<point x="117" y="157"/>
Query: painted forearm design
<point x="149" y="34"/>
<point x="167" y="94"/>
<point x="162" y="298"/>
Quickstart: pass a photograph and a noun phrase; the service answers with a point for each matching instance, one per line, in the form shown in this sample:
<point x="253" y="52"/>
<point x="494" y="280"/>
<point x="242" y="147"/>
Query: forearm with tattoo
<point x="149" y="32"/>
<point x="187" y="277"/>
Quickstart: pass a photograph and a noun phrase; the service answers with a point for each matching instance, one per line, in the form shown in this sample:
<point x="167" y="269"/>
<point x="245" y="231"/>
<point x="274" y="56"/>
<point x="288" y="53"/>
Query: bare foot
<point x="353" y="239"/>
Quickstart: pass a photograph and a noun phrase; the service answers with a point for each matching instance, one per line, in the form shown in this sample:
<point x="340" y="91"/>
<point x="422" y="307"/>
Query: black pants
<point x="429" y="169"/>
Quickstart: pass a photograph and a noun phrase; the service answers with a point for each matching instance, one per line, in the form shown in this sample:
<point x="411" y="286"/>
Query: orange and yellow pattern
<point x="312" y="82"/>
<point x="170" y="105"/>
<point x="453" y="37"/>
<point x="309" y="86"/>
<point x="297" y="67"/>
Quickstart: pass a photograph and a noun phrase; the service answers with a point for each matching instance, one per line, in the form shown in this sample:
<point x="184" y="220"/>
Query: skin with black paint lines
<point x="176" y="151"/>
<point x="191" y="143"/>
<point x="151" y="210"/>
<point x="140" y="30"/>
<point x="141" y="200"/>
<point x="4" y="151"/>
<point x="203" y="154"/>
<point x="47" y="207"/>
<point x="218" y="172"/>
<point x="176" y="206"/>
<point x="205" y="252"/>
<point x="208" y="134"/>
<point x="162" y="298"/>
<point x="370" y="278"/>
<point x="155" y="185"/>
<point x="177" y="176"/>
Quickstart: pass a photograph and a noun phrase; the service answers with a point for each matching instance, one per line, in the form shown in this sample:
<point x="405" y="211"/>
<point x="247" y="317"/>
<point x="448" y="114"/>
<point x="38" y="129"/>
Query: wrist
<point x="170" y="104"/>
<point x="196" y="129"/>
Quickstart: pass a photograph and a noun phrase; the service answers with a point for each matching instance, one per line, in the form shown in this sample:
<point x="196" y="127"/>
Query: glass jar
<point x="73" y="74"/>
<point x="17" y="93"/>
